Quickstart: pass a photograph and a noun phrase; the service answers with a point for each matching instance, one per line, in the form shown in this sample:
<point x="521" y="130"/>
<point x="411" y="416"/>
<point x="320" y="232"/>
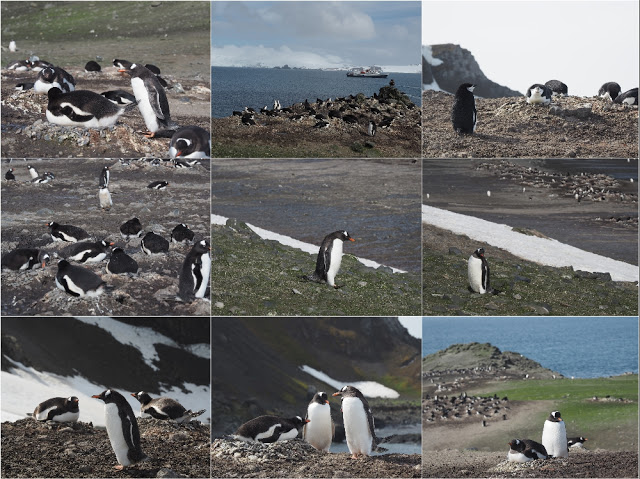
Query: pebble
<point x="219" y="304"/>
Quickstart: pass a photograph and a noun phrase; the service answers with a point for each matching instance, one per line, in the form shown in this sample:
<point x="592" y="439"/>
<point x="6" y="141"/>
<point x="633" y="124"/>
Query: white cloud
<point x="251" y="56"/>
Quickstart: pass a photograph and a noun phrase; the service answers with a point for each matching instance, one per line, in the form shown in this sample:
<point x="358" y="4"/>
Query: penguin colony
<point x="464" y="114"/>
<point x="317" y="426"/>
<point x="369" y="114"/>
<point x="70" y="106"/>
<point x="81" y="248"/>
<point x="120" y="420"/>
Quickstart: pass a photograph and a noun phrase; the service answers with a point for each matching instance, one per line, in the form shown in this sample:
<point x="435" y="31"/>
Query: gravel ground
<point x="34" y="449"/>
<point x="71" y="198"/>
<point x="571" y="127"/>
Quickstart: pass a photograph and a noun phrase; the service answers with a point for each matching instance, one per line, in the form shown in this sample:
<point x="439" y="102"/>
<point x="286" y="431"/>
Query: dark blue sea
<point x="579" y="347"/>
<point x="234" y="88"/>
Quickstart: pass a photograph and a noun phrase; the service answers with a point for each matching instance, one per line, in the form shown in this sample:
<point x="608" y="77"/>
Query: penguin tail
<point x="312" y="277"/>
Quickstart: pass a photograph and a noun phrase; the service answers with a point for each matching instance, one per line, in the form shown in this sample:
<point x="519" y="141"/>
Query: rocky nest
<point x="296" y="458"/>
<point x="35" y="449"/>
<point x="570" y="127"/>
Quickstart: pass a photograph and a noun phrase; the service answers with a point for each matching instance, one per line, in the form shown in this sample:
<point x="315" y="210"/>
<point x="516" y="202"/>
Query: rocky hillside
<point x="35" y="449"/>
<point x="455" y="65"/>
<point x="483" y="357"/>
<point x="256" y="364"/>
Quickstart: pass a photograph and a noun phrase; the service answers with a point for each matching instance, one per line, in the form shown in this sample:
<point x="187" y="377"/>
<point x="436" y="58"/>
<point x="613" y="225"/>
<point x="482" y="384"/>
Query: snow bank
<point x="370" y="389"/>
<point x="545" y="251"/>
<point x="292" y="242"/>
<point x="427" y="53"/>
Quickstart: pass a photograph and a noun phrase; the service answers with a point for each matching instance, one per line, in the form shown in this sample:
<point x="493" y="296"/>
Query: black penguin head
<point x="182" y="146"/>
<point x="63" y="264"/>
<point x="348" y="391"/>
<point x="48" y="74"/>
<point x="344" y="236"/>
<point x="71" y="400"/>
<point x="52" y="224"/>
<point x="201" y="246"/>
<point x="117" y="250"/>
<point x="517" y="445"/>
<point x="53" y="93"/>
<point x="465" y="87"/>
<point x="108" y="396"/>
<point x="554" y="416"/>
<point x="44" y="258"/>
<point x="320" y="398"/>
<point x="479" y="253"/>
<point x="106" y="244"/>
<point x="142" y="396"/>
<point x="298" y="421"/>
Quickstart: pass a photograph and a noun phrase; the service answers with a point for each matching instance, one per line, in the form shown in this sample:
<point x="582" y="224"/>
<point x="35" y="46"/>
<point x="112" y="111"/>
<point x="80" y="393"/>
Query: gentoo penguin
<point x="164" y="408"/>
<point x="538" y="94"/>
<point x="81" y="108"/>
<point x="131" y="229"/>
<point x="358" y="422"/>
<point x="320" y="429"/>
<point x="270" y="429"/>
<point x="554" y="436"/>
<point x="105" y="198"/>
<point x="158" y="185"/>
<point x="92" y="66"/>
<point x="54" y="77"/>
<point x="38" y="65"/>
<point x="122" y="64"/>
<point x="329" y="258"/>
<point x="190" y="142"/>
<point x="24" y="258"/>
<point x="33" y="173"/>
<point x="19" y="65"/>
<point x="120" y="263"/>
<point x="67" y="233"/>
<point x="464" y="113"/>
<point x="609" y="91"/>
<point x="152" y="101"/>
<point x="105" y="174"/>
<point x="577" y="442"/>
<point x="87" y="252"/>
<point x="58" y="409"/>
<point x="629" y="97"/>
<point x="557" y="87"/>
<point x="153" y="243"/>
<point x="181" y="234"/>
<point x="122" y="428"/>
<point x="78" y="281"/>
<point x="478" y="272"/>
<point x="525" y="450"/>
<point x="9" y="175"/>
<point x="119" y="97"/>
<point x="194" y="275"/>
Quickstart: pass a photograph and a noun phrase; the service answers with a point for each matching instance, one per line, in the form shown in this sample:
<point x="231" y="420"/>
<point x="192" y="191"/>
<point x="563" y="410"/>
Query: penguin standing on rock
<point x="24" y="258"/>
<point x="320" y="429"/>
<point x="122" y="428"/>
<point x="58" y="409"/>
<point x="105" y="198"/>
<point x="152" y="101"/>
<point x="525" y="450"/>
<point x="464" y="114"/>
<point x="194" y="275"/>
<point x="358" y="422"/>
<point x="164" y="408"/>
<point x="9" y="176"/>
<point x="78" y="281"/>
<point x="329" y="258"/>
<point x="105" y="174"/>
<point x="554" y="436"/>
<point x="269" y="429"/>
<point x="478" y="272"/>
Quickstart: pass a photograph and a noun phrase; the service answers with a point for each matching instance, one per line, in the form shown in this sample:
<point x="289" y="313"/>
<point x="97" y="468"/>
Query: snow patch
<point x="427" y="53"/>
<point x="432" y="86"/>
<point x="294" y="243"/>
<point x="144" y="339"/>
<point x="370" y="389"/>
<point x="544" y="251"/>
<point x="401" y="68"/>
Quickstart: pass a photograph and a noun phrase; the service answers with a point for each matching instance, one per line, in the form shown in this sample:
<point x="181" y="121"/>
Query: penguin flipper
<point x="158" y="100"/>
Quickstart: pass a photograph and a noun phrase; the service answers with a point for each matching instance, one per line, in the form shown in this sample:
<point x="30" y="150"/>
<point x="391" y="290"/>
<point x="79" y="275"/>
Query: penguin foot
<point x="338" y="286"/>
<point x="119" y="467"/>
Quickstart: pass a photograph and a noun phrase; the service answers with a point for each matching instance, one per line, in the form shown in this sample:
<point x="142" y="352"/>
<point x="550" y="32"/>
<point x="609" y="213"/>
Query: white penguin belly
<point x="290" y="434"/>
<point x="105" y="198"/>
<point x="141" y="94"/>
<point x="356" y="426"/>
<point x="554" y="438"/>
<point x="537" y="98"/>
<point x="474" y="271"/>
<point x="515" y="456"/>
<point x="116" y="434"/>
<point x="206" y="271"/>
<point x="67" y="417"/>
<point x="318" y="431"/>
<point x="335" y="260"/>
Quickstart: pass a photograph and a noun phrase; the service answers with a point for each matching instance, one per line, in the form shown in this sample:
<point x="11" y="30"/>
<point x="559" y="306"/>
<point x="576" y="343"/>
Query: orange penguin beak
<point x="336" y="394"/>
<point x="97" y="396"/>
<point x="133" y="394"/>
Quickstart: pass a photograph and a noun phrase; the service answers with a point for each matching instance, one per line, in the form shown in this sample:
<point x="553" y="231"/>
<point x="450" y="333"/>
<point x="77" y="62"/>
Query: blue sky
<point x="321" y="34"/>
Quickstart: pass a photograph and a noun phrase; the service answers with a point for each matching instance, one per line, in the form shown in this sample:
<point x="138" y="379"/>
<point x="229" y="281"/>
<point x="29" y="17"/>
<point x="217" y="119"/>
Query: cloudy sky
<point x="316" y="34"/>
<point x="518" y="43"/>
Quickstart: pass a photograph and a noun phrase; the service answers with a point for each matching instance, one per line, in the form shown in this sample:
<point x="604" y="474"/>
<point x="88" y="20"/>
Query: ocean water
<point x="234" y="88"/>
<point x="579" y="347"/>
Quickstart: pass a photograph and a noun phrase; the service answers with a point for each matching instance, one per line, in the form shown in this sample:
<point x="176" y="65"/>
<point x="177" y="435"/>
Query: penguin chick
<point x="164" y="408"/>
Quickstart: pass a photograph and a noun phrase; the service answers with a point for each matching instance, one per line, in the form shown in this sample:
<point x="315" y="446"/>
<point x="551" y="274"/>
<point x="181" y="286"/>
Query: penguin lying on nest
<point x="525" y="450"/>
<point x="57" y="409"/>
<point x="269" y="429"/>
<point x="164" y="408"/>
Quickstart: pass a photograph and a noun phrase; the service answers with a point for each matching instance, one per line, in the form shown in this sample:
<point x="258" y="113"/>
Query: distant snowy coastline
<point x="292" y="242"/>
<point x="545" y="251"/>
<point x="370" y="389"/>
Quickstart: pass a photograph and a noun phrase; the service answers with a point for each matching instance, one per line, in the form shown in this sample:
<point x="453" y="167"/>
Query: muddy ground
<point x="295" y="458"/>
<point x="34" y="449"/>
<point x="71" y="198"/>
<point x="571" y="127"/>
